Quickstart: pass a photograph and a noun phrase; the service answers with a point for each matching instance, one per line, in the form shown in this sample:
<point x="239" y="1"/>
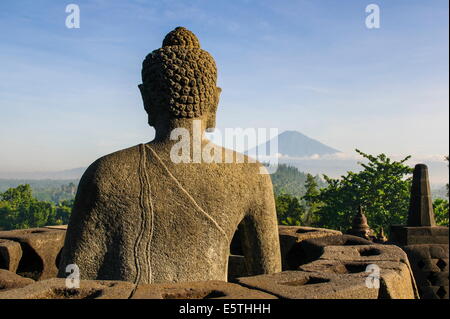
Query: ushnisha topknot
<point x="181" y="36"/>
<point x="180" y="77"/>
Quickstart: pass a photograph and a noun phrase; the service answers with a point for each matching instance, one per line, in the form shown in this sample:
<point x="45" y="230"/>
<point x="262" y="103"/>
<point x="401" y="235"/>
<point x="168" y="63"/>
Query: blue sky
<point x="68" y="96"/>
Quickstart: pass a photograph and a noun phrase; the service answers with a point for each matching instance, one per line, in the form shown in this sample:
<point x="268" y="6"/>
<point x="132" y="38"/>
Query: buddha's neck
<point x="170" y="131"/>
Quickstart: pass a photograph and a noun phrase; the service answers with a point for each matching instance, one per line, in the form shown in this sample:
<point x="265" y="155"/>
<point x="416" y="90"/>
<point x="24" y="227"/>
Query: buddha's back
<point x="143" y="217"/>
<point x="139" y="217"/>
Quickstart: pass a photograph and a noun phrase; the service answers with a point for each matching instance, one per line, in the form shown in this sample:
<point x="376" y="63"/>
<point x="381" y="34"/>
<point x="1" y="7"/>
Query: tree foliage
<point x="311" y="206"/>
<point x="289" y="180"/>
<point x="19" y="209"/>
<point x="289" y="210"/>
<point x="382" y="187"/>
<point x="441" y="211"/>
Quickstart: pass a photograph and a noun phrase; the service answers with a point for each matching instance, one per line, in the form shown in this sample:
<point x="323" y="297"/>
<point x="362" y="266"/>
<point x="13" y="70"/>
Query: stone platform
<point x="317" y="264"/>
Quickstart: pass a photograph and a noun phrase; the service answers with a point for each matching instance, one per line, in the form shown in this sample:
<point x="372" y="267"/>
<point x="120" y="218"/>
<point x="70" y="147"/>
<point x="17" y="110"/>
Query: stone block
<point x="198" y="290"/>
<point x="434" y="292"/>
<point x="55" y="288"/>
<point x="407" y="235"/>
<point x="311" y="249"/>
<point x="40" y="250"/>
<point x="10" y="255"/>
<point x="396" y="281"/>
<point x="10" y="280"/>
<point x="60" y="227"/>
<point x="429" y="264"/>
<point x="367" y="253"/>
<point x="291" y="236"/>
<point x="312" y="285"/>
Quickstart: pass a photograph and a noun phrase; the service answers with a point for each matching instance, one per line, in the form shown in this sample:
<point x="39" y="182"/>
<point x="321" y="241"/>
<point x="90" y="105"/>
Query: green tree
<point x="289" y="210"/>
<point x="17" y="196"/>
<point x="63" y="211"/>
<point x="7" y="215"/>
<point x="382" y="187"/>
<point x="311" y="204"/>
<point x="441" y="211"/>
<point x="289" y="180"/>
<point x="19" y="209"/>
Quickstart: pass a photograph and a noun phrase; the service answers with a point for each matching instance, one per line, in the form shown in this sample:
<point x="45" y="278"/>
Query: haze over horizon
<point x="293" y="148"/>
<point x="69" y="96"/>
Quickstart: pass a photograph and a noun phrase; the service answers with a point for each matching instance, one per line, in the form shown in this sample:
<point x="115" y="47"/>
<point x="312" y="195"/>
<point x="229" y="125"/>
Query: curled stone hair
<point x="180" y="77"/>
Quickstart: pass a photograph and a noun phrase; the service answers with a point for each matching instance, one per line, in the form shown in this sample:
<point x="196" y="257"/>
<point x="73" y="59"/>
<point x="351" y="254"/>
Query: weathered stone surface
<point x="301" y="233"/>
<point x="395" y="277"/>
<point x="40" y="249"/>
<point x="406" y="235"/>
<point x="10" y="280"/>
<point x="55" y="288"/>
<point x="292" y="236"/>
<point x="143" y="217"/>
<point x="397" y="281"/>
<point x="312" y="285"/>
<point x="370" y="253"/>
<point x="60" y="227"/>
<point x="373" y="254"/>
<point x="10" y="255"/>
<point x="429" y="264"/>
<point x="198" y="290"/>
<point x="421" y="204"/>
<point x="341" y="272"/>
<point x="425" y="244"/>
<point x="311" y="249"/>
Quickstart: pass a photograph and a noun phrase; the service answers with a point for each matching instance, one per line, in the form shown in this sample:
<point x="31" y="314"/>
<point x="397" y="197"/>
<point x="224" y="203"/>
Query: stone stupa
<point x="360" y="227"/>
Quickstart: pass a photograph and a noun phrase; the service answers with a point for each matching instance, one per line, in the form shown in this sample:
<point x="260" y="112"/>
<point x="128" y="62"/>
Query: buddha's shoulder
<point x="113" y="164"/>
<point x="247" y="167"/>
<point x="246" y="162"/>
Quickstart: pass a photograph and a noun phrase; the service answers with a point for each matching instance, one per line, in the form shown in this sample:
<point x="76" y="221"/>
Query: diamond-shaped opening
<point x="441" y="292"/>
<point x="441" y="264"/>
<point x="432" y="278"/>
<point x="421" y="264"/>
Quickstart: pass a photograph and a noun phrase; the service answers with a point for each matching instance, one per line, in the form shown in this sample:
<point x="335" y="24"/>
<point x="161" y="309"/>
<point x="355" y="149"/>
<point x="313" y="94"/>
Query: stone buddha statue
<point x="142" y="217"/>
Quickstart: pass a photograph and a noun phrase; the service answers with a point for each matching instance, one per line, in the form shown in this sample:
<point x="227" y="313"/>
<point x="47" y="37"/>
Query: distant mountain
<point x="296" y="144"/>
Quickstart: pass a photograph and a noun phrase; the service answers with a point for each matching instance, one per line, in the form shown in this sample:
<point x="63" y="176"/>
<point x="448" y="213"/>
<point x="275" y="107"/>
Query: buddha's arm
<point x="260" y="241"/>
<point x="83" y="243"/>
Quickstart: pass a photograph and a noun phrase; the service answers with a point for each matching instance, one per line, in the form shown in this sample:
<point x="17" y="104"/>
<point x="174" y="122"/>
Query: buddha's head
<point x="179" y="81"/>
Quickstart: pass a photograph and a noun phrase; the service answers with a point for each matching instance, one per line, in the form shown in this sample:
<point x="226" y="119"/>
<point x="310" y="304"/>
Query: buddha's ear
<point x="146" y="101"/>
<point x="145" y="95"/>
<point x="211" y="120"/>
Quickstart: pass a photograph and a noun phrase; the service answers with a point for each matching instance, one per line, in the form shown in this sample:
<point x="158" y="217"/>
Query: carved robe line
<point x="189" y="195"/>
